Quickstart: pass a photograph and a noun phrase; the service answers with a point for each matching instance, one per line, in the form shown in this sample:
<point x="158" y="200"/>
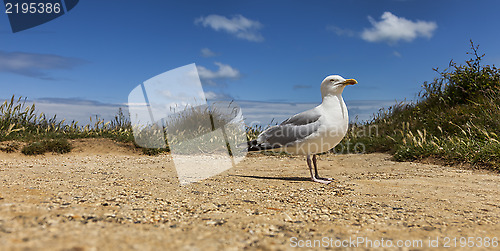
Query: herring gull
<point x="313" y="131"/>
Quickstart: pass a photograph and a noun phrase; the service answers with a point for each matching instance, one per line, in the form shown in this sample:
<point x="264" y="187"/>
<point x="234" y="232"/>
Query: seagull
<point x="313" y="131"/>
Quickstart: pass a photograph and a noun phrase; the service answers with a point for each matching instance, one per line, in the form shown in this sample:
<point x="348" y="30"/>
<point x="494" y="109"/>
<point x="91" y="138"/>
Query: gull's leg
<point x="313" y="178"/>
<point x="316" y="170"/>
<point x="315" y="167"/>
<point x="310" y="167"/>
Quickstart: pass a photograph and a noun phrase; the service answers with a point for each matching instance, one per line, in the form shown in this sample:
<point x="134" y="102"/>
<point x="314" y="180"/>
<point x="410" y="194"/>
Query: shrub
<point x="57" y="145"/>
<point x="455" y="119"/>
<point x="462" y="84"/>
<point x="34" y="148"/>
<point x="41" y="147"/>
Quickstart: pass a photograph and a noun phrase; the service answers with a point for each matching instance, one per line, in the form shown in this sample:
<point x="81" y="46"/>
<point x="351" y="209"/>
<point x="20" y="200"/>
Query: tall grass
<point x="19" y="121"/>
<point x="456" y="119"/>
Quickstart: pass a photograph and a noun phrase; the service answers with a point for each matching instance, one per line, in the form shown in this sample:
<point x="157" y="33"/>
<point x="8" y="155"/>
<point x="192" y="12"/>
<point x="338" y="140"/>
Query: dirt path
<point x="104" y="198"/>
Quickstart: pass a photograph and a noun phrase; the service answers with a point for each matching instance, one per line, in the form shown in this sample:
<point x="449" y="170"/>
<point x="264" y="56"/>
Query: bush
<point x="57" y="145"/>
<point x="455" y="119"/>
<point x="34" y="148"/>
<point x="462" y="84"/>
<point x="41" y="147"/>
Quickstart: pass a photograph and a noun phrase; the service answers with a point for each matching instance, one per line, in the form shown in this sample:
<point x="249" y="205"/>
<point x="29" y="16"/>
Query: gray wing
<point x="292" y="130"/>
<point x="303" y="118"/>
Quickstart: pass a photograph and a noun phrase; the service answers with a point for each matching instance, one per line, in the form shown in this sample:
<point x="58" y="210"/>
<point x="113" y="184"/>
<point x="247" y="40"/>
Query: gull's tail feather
<point x="253" y="145"/>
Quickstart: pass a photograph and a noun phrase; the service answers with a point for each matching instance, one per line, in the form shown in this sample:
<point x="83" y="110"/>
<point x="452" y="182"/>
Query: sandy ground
<point x="103" y="196"/>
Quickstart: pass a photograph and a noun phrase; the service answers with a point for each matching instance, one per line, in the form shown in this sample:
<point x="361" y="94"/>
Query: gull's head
<point x="334" y="85"/>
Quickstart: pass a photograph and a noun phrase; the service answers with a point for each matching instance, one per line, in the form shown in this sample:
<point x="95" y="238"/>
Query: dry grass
<point x="456" y="119"/>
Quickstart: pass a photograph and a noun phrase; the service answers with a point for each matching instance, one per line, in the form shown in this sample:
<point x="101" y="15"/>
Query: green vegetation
<point x="194" y="129"/>
<point x="455" y="120"/>
<point x="47" y="145"/>
<point x="19" y="122"/>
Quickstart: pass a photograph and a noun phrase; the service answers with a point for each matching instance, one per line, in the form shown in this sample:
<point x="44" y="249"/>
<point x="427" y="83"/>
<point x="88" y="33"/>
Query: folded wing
<point x="290" y="132"/>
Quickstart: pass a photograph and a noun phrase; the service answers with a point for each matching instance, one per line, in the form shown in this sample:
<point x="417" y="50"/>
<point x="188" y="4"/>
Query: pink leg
<point x="316" y="170"/>
<point x="313" y="177"/>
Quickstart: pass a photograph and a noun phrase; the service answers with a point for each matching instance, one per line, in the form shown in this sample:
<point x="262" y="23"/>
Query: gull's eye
<point x="331" y="80"/>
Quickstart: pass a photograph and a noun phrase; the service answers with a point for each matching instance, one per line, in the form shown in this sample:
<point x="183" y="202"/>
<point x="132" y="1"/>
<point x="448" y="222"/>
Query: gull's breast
<point x="334" y="122"/>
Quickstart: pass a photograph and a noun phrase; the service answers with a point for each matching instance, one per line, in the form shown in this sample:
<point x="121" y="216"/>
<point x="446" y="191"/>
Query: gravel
<point x="93" y="199"/>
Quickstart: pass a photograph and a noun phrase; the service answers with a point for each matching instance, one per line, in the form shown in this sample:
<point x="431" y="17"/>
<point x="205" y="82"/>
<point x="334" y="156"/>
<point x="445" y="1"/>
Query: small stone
<point x="428" y="228"/>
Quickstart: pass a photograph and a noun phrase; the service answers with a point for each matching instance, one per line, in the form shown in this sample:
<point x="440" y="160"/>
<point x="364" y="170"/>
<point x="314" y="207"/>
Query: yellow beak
<point x="350" y="82"/>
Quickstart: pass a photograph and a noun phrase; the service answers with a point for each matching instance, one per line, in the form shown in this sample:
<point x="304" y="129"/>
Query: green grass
<point x="47" y="145"/>
<point x="455" y="120"/>
<point x="20" y="123"/>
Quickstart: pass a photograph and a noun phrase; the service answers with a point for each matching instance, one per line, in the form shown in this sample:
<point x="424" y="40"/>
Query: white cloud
<point x="210" y="95"/>
<point x="35" y="64"/>
<point x="223" y="72"/>
<point x="392" y="29"/>
<point x="396" y="54"/>
<point x="340" y="31"/>
<point x="207" y="53"/>
<point x="217" y="96"/>
<point x="238" y="25"/>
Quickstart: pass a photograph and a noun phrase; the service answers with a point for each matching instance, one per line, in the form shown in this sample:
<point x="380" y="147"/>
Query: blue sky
<point x="266" y="51"/>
